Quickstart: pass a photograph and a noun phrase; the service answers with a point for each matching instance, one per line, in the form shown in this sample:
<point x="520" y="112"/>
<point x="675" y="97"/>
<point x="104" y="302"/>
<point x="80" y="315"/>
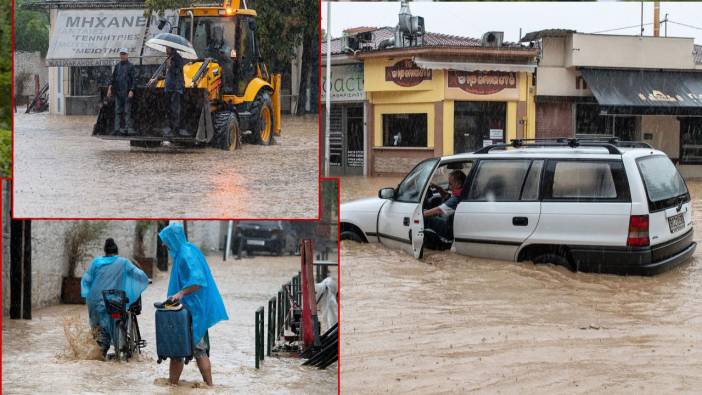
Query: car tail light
<point x="115" y="315"/>
<point x="638" y="231"/>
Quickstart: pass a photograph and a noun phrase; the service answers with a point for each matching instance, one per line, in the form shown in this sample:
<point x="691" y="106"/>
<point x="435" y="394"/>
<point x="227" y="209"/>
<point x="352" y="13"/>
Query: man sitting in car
<point x="437" y="218"/>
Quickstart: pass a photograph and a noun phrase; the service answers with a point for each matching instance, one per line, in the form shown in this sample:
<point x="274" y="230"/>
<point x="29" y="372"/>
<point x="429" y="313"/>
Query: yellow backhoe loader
<point x="229" y="93"/>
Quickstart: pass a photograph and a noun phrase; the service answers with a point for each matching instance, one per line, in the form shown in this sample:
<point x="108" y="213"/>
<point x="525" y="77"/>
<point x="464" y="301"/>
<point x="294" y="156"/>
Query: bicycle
<point x="126" y="337"/>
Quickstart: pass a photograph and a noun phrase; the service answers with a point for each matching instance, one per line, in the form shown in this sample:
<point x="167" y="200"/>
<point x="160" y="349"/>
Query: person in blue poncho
<point x="192" y="284"/>
<point x="109" y="272"/>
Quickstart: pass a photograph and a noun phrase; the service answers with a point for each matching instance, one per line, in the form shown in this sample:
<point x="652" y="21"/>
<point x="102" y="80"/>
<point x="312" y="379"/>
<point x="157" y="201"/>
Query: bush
<point x="5" y="153"/>
<point x="78" y="239"/>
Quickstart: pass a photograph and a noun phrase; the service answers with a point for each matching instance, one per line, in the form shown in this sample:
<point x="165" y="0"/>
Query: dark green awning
<point x="646" y="91"/>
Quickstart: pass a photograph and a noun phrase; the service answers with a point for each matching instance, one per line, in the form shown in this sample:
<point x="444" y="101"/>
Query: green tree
<point x="5" y="88"/>
<point x="31" y="30"/>
<point x="282" y="26"/>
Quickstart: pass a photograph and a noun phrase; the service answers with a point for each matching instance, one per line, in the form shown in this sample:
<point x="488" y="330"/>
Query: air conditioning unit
<point x="492" y="39"/>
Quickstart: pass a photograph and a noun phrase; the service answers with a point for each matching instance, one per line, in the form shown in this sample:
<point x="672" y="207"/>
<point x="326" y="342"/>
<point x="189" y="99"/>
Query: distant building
<point x="631" y="87"/>
<point x="424" y="94"/>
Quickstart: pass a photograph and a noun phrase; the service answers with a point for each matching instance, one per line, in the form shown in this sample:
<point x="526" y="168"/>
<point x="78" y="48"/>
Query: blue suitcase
<point x="174" y="333"/>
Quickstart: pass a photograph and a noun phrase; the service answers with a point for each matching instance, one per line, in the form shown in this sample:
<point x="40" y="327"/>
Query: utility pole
<point x="656" y="19"/>
<point x="642" y="28"/>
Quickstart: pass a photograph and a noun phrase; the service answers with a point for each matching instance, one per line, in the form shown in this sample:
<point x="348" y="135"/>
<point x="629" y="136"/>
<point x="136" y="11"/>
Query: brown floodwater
<point x="60" y="170"/>
<point x="451" y="324"/>
<point x="54" y="353"/>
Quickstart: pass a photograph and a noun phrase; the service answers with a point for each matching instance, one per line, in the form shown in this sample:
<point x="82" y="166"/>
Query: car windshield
<point x="661" y="178"/>
<point x="212" y="36"/>
<point x="411" y="187"/>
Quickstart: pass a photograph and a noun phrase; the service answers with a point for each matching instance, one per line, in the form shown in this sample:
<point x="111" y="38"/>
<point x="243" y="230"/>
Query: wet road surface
<point x="451" y="324"/>
<point x="37" y="358"/>
<point x="61" y="171"/>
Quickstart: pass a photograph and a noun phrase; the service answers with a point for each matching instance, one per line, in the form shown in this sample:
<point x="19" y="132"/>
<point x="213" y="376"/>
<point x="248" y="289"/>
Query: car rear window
<point x="586" y="181"/>
<point x="664" y="185"/>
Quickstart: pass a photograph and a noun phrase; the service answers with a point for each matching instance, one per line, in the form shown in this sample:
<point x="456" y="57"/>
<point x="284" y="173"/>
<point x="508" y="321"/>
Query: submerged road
<point x="52" y="352"/>
<point x="453" y="324"/>
<point x="61" y="171"/>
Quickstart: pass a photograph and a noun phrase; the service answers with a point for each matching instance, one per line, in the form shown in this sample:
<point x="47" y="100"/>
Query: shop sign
<point x="406" y="73"/>
<point x="94" y="37"/>
<point x="482" y="82"/>
<point x="346" y="83"/>
<point x="657" y="96"/>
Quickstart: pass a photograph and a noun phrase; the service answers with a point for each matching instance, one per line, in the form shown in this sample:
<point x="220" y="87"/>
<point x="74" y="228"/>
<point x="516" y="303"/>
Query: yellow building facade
<point x="416" y="113"/>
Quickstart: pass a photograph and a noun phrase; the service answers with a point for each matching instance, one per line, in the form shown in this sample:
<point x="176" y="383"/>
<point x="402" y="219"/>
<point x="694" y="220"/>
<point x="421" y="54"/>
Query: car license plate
<point x="676" y="223"/>
<point x="255" y="242"/>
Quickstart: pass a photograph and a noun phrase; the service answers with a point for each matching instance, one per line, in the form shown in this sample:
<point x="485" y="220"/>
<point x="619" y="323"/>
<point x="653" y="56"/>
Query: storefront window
<point x="588" y="121"/>
<point x="405" y="130"/>
<point x="86" y="80"/>
<point x="478" y="124"/>
<point x="691" y="140"/>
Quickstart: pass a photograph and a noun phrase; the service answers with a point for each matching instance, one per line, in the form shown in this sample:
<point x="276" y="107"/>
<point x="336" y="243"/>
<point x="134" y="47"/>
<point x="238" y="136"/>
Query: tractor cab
<point x="227" y="36"/>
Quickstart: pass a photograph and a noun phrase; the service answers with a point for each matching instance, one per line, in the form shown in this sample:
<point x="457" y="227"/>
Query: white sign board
<point x="94" y="37"/>
<point x="496" y="134"/>
<point x="346" y="83"/>
<point x="487" y="143"/>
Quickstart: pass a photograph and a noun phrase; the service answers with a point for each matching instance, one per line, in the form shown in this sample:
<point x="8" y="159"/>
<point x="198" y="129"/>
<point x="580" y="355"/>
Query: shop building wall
<point x="554" y="119"/>
<point x="5" y="247"/>
<point x="27" y="65"/>
<point x="666" y="133"/>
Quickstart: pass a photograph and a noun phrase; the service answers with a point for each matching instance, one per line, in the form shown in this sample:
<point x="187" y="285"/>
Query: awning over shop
<point x="94" y="37"/>
<point x="473" y="66"/>
<point x="641" y="92"/>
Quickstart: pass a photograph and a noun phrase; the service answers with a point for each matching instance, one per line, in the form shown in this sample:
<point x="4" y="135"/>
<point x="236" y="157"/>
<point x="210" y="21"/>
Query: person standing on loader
<point x="175" y="84"/>
<point x="122" y="88"/>
<point x="191" y="283"/>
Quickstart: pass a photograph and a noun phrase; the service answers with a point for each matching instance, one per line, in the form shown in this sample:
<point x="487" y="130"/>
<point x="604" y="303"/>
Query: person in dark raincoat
<point x="109" y="272"/>
<point x="192" y="284"/>
<point x="122" y="88"/>
<point x="175" y="86"/>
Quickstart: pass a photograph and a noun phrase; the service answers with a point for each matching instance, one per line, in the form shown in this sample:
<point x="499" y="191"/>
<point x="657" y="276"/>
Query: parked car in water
<point x="590" y="205"/>
<point x="274" y="237"/>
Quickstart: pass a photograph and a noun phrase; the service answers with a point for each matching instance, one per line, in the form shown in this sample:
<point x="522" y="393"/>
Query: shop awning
<point x="473" y="66"/>
<point x="81" y="37"/>
<point x="641" y="92"/>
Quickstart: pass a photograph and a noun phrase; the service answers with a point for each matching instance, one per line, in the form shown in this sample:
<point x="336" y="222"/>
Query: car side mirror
<point x="386" y="193"/>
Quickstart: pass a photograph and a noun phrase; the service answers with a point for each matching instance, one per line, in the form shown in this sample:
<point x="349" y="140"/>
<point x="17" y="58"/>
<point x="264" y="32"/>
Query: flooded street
<point x="62" y="171"/>
<point x="36" y="357"/>
<point x="450" y="324"/>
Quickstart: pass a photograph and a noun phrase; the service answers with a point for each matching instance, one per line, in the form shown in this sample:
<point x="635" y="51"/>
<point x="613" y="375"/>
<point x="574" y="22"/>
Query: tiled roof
<point x="697" y="54"/>
<point x="430" y="39"/>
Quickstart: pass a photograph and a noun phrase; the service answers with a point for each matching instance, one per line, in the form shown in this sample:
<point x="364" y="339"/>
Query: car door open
<point x="400" y="218"/>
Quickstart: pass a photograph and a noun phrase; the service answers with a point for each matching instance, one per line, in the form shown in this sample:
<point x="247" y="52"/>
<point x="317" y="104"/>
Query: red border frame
<point x="320" y="169"/>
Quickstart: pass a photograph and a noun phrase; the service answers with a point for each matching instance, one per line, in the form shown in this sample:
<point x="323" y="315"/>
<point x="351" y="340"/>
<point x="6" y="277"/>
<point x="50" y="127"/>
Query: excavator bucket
<point x="150" y="116"/>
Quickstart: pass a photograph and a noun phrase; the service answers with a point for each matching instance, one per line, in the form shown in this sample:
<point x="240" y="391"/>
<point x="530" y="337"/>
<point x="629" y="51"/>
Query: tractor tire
<point x="262" y="119"/>
<point x="227" y="133"/>
<point x="144" y="143"/>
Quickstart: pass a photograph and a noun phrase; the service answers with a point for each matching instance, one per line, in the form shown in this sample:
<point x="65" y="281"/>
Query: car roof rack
<point x="608" y="142"/>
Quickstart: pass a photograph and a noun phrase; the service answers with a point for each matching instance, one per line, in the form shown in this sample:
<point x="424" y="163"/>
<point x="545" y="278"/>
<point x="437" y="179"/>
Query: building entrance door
<point x="477" y="124"/>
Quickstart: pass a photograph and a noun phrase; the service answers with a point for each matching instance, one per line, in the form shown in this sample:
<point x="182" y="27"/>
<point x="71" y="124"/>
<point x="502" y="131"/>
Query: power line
<point x="623" y="28"/>
<point x="682" y="24"/>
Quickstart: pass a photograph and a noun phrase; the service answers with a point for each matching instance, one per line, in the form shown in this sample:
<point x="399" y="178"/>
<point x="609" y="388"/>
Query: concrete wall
<point x="208" y="236"/>
<point x="599" y="50"/>
<point x="49" y="263"/>
<point x="27" y="64"/>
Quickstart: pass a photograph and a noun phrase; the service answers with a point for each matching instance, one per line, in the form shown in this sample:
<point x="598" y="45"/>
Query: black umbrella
<point x="180" y="44"/>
